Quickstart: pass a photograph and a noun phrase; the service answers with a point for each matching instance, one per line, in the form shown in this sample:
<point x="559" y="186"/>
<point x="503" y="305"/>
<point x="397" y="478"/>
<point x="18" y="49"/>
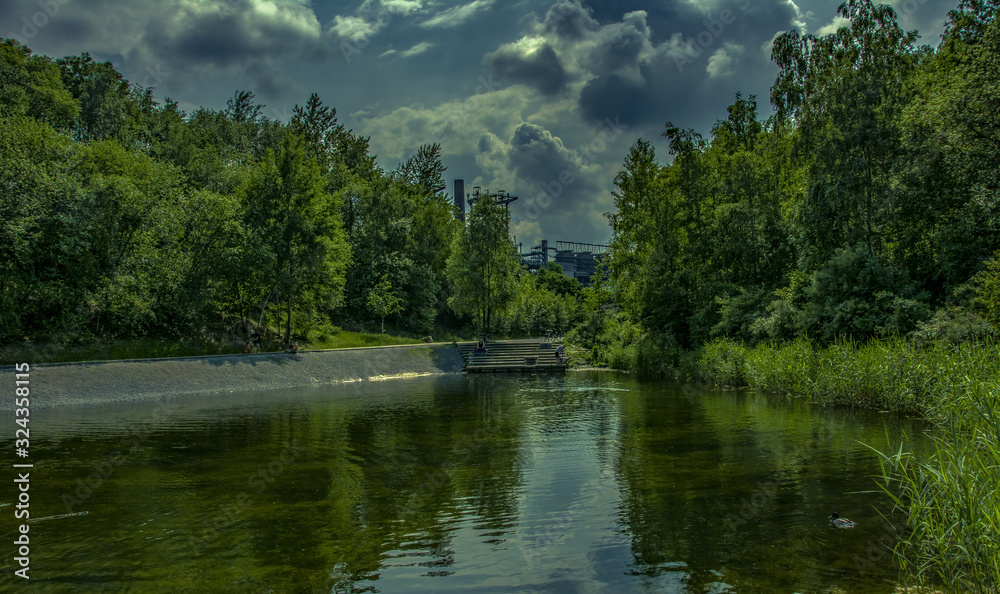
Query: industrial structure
<point x="461" y="198"/>
<point x="578" y="260"/>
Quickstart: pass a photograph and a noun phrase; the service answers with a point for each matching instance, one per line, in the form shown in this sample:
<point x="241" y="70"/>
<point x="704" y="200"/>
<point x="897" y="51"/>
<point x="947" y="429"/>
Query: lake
<point x="583" y="482"/>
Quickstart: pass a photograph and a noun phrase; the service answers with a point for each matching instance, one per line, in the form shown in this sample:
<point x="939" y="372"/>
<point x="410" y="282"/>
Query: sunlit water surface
<point x="588" y="482"/>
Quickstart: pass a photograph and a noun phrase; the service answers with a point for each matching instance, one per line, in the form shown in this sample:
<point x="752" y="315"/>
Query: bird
<point x="841" y="522"/>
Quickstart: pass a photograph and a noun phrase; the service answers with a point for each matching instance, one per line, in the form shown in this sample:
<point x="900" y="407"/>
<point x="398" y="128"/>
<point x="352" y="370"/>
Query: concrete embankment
<point x="62" y="384"/>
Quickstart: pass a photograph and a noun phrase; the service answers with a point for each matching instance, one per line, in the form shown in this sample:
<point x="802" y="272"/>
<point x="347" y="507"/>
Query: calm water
<point x="582" y="483"/>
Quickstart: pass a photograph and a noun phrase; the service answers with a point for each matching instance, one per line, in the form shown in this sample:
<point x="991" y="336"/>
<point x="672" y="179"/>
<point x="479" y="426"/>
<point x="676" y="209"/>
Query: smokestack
<point x="460" y="198"/>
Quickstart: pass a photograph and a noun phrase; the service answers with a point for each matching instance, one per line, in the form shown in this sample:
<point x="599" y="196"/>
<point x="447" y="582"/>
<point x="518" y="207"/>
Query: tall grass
<point x="952" y="501"/>
<point x="891" y="374"/>
<point x="952" y="498"/>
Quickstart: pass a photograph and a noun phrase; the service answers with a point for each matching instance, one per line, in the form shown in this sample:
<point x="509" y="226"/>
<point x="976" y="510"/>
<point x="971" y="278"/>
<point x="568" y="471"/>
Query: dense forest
<point x="125" y="218"/>
<point x="867" y="205"/>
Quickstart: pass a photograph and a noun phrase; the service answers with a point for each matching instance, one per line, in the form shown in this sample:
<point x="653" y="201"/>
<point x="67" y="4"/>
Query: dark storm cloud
<point x="663" y="16"/>
<point x="611" y="95"/>
<point x="707" y="55"/>
<point x="539" y="69"/>
<point x="270" y="83"/>
<point x="569" y="20"/>
<point x="619" y="45"/>
<point x="535" y="155"/>
<point x="223" y="38"/>
<point x="71" y="30"/>
<point x="486" y="144"/>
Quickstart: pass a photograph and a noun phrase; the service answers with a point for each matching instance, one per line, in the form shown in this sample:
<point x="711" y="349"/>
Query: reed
<point x="952" y="500"/>
<point x="890" y="374"/>
<point x="952" y="497"/>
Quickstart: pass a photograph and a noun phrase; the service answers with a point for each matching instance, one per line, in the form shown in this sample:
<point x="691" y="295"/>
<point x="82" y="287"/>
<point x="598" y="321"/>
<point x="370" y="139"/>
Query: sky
<point x="541" y="99"/>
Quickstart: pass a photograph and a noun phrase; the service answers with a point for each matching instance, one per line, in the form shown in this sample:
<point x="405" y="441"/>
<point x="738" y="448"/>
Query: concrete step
<point x="525" y="355"/>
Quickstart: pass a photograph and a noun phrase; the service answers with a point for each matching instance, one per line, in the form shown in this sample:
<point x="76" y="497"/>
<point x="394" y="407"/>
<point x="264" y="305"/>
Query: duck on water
<point x="841" y="522"/>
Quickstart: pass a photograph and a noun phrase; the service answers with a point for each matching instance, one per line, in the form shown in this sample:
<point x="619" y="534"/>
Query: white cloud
<point x="371" y="17"/>
<point x="722" y="62"/>
<point x="457" y="125"/>
<point x="799" y="22"/>
<point x="420" y="48"/>
<point x="402" y="7"/>
<point x="456" y="15"/>
<point x="833" y="25"/>
<point x="353" y="28"/>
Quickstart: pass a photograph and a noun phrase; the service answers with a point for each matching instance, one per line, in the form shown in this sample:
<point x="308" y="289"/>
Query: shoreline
<point x="132" y="380"/>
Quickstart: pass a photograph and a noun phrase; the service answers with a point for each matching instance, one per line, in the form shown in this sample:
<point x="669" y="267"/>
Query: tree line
<point x="124" y="218"/>
<point x="121" y="217"/>
<point x="867" y="205"/>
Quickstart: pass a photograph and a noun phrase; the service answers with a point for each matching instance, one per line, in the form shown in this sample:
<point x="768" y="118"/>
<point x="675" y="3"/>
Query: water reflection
<point x="576" y="483"/>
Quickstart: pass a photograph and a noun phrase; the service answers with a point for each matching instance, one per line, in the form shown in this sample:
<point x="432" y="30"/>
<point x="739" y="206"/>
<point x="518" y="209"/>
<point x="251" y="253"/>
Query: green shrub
<point x="952" y="325"/>
<point x="988" y="290"/>
<point x="856" y="295"/>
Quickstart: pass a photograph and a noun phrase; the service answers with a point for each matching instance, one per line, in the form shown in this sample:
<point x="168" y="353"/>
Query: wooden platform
<point x="512" y="356"/>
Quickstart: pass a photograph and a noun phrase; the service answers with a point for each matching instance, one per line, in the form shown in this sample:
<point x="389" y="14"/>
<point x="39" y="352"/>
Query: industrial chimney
<point x="460" y="198"/>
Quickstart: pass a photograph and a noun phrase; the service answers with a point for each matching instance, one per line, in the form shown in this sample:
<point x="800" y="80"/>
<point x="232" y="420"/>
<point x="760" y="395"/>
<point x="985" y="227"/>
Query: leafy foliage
<point x="854" y="212"/>
<point x="123" y="218"/>
<point x="483" y="265"/>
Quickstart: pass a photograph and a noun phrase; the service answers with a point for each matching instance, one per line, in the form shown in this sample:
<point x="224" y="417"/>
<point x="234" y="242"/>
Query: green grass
<point x="891" y="374"/>
<point x="951" y="498"/>
<point x="151" y="348"/>
<point x="107" y="350"/>
<point x="346" y="340"/>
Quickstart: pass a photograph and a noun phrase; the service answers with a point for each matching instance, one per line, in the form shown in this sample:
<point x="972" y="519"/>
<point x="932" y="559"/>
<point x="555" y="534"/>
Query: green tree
<point x="46" y="263"/>
<point x="951" y="183"/>
<point x="483" y="265"/>
<point x="552" y="278"/>
<point x="988" y="289"/>
<point x="641" y="218"/>
<point x="382" y="300"/>
<point x="424" y="169"/>
<point x="317" y="124"/>
<point x="32" y="86"/>
<point x="300" y="222"/>
<point x="844" y="92"/>
<point x="110" y="108"/>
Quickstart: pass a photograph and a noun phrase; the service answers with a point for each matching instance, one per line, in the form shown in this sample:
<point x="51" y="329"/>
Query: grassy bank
<point x="893" y="374"/>
<point x="952" y="498"/>
<point x="149" y="348"/>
